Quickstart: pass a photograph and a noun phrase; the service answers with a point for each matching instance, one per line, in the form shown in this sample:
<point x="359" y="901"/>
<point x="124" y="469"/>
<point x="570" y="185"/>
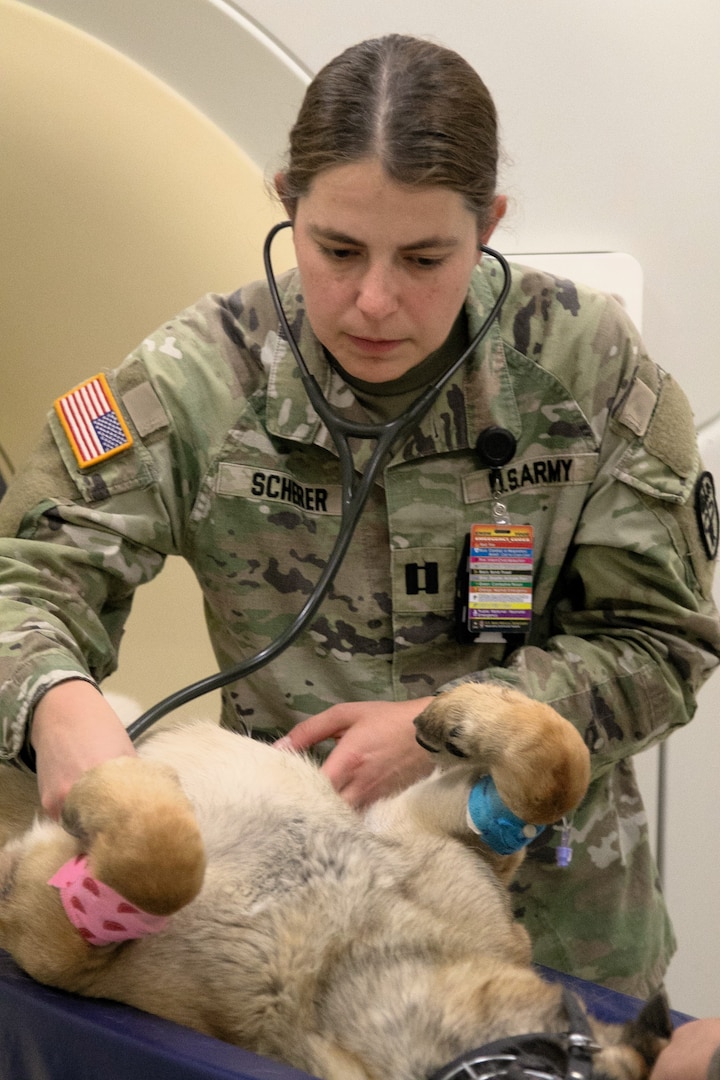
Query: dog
<point x="277" y="918"/>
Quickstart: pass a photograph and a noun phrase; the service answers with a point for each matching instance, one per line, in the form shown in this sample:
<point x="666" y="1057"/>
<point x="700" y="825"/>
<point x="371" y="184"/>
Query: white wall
<point x="610" y="113"/>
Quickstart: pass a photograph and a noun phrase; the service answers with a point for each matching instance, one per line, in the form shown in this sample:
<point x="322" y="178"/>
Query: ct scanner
<point x="134" y="178"/>
<point x="123" y="203"/>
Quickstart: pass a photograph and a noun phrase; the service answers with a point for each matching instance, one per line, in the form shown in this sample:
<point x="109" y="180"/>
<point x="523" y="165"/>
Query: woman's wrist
<point x="74" y="728"/>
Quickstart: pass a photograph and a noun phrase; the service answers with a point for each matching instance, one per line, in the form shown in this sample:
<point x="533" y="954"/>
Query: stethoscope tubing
<point x="355" y="488"/>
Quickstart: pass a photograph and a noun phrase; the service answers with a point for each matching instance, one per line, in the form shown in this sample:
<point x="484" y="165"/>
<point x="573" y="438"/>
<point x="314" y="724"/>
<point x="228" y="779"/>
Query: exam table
<point x="47" y="1034"/>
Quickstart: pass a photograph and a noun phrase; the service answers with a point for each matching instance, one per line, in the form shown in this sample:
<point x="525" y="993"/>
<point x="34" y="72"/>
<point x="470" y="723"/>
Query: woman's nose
<point x="378" y="292"/>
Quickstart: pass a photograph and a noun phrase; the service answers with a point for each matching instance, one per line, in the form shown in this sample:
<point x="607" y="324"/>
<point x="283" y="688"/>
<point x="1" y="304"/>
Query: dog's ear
<point x="649" y="1032"/>
<point x="654" y="1017"/>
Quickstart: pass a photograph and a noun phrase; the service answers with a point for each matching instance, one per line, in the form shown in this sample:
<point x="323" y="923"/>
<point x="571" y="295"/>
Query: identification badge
<point x="500" y="568"/>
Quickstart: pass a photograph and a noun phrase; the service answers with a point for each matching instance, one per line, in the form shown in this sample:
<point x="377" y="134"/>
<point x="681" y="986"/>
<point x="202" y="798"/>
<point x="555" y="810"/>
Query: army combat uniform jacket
<point x="221" y="459"/>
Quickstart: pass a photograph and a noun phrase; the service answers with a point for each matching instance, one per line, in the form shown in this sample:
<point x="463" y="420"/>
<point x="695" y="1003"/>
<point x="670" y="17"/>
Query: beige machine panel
<point x="121" y="204"/>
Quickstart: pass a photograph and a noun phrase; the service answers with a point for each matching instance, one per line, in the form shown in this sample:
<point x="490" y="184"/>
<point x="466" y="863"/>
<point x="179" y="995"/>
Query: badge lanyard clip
<point x="499" y="509"/>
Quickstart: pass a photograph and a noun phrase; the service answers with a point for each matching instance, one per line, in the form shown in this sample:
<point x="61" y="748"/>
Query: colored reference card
<point x="500" y="573"/>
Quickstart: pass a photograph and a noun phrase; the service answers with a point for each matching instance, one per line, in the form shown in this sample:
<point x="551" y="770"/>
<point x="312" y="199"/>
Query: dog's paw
<point x="538" y="760"/>
<point x="462" y="724"/>
<point x="437" y="737"/>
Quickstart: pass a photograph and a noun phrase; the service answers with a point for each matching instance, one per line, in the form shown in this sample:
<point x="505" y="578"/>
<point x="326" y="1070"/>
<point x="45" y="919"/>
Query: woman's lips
<point x="375" y="346"/>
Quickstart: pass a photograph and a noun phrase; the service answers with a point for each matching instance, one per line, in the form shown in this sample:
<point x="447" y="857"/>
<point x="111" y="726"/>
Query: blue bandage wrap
<point x="488" y="815"/>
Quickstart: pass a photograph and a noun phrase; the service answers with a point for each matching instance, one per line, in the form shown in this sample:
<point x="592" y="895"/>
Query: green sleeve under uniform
<point x="222" y="461"/>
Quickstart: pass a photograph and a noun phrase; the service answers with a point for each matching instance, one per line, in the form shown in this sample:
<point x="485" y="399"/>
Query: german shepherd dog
<point x="374" y="947"/>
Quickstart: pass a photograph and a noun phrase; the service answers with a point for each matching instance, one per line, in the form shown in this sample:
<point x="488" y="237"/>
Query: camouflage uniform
<point x="231" y="469"/>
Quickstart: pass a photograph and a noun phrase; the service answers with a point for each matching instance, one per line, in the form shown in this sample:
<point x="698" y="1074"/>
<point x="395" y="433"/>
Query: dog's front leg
<point x="537" y="759"/>
<point x="437" y="806"/>
<point x="139" y="833"/>
<point x="507" y="766"/>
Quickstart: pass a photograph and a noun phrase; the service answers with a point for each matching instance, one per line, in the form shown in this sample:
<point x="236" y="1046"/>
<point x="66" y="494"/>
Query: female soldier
<point x="214" y="454"/>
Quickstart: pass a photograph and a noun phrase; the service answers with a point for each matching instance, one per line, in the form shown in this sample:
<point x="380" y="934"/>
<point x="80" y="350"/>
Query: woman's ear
<point x="497" y="213"/>
<point x="290" y="205"/>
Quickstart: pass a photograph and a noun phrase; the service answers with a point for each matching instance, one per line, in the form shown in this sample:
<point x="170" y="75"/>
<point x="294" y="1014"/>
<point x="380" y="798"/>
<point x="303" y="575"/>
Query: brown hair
<point x="420" y="109"/>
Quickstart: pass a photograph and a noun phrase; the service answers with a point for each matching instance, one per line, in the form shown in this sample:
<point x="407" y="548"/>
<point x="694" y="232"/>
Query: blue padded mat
<point x="47" y="1034"/>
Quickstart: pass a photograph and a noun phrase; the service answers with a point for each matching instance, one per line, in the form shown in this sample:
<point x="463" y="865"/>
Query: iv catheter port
<point x="355" y="490"/>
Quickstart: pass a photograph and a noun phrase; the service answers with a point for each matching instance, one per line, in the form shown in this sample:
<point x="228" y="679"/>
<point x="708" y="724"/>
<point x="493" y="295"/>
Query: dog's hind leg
<point x="332" y="1062"/>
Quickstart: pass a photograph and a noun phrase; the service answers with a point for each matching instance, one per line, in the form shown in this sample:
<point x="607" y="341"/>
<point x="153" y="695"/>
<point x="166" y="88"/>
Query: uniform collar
<point x="478" y="396"/>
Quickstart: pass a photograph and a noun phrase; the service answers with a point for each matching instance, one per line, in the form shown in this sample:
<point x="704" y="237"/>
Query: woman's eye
<point x="340" y="254"/>
<point x="426" y="262"/>
<point x="345" y="254"/>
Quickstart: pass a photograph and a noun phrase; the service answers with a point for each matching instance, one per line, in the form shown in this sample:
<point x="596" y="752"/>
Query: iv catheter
<point x="355" y="488"/>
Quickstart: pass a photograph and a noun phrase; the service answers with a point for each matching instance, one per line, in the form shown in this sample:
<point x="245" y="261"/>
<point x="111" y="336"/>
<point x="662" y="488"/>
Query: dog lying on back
<point x="274" y="917"/>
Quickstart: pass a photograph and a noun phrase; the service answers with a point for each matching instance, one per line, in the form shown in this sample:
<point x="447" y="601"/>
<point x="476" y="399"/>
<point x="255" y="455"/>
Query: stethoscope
<point x="355" y="487"/>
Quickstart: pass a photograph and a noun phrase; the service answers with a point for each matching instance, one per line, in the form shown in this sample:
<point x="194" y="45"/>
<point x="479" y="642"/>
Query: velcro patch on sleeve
<point x="671" y="432"/>
<point x="93" y="422"/>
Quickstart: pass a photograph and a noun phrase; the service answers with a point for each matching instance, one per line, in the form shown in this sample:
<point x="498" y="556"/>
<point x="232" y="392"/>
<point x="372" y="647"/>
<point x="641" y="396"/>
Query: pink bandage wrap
<point x="99" y="914"/>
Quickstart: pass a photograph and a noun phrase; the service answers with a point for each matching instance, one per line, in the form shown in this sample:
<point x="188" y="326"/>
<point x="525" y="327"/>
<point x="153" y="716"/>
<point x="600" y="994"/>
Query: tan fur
<point x="18" y="805"/>
<point x="354" y="949"/>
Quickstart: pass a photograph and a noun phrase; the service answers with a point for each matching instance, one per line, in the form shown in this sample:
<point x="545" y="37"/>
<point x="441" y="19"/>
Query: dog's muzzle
<point x="565" y="1056"/>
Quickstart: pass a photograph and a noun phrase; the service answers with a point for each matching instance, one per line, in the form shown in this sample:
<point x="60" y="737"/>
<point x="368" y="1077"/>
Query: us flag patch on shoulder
<point x="92" y="421"/>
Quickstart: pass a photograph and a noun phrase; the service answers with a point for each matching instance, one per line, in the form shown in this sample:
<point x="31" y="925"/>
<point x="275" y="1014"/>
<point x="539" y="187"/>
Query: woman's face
<point x="384" y="267"/>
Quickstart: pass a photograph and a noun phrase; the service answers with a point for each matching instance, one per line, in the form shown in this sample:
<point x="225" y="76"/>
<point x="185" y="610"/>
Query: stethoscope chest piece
<point x="495" y="446"/>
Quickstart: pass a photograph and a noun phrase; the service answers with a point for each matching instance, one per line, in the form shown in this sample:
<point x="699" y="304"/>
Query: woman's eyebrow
<point x="336" y="237"/>
<point x="320" y="233"/>
<point x="432" y="242"/>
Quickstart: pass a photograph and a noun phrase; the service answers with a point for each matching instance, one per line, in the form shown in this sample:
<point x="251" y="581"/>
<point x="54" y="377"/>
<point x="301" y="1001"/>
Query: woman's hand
<point x="73" y="729"/>
<point x="375" y="753"/>
<point x="688" y="1054"/>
